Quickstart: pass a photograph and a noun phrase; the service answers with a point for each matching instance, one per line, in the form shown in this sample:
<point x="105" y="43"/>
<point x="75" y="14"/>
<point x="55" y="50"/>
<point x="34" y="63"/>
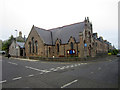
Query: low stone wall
<point x="62" y="59"/>
<point x="101" y="54"/>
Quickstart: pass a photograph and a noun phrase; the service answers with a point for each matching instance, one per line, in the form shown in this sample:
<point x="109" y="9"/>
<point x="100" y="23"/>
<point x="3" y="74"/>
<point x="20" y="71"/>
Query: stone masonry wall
<point x="41" y="47"/>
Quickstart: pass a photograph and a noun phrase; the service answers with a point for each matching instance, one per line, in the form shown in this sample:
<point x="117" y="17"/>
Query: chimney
<point x="20" y="34"/>
<point x="85" y="20"/>
<point x="88" y="19"/>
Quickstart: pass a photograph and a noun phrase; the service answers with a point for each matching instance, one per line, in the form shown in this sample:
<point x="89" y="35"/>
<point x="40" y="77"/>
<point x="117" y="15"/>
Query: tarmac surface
<point x="25" y="73"/>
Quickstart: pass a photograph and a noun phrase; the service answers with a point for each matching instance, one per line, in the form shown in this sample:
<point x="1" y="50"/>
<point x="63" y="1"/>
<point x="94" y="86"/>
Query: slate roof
<point x="21" y="44"/>
<point x="45" y="35"/>
<point x="63" y="33"/>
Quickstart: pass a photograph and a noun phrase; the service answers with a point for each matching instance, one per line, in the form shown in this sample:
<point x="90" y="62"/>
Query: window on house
<point x="89" y="33"/>
<point x="85" y="33"/>
<point x="71" y="45"/>
<point x="36" y="45"/>
<point x="96" y="43"/>
<point x="64" y="50"/>
<point x="29" y="47"/>
<point x="33" y="44"/>
<point x="57" y="47"/>
<point x="84" y="41"/>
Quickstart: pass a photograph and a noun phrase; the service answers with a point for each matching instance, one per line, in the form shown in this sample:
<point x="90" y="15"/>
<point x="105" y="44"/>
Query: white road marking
<point x="55" y="69"/>
<point x="69" y="84"/>
<point x="62" y="68"/>
<point x="47" y="71"/>
<point x="67" y="66"/>
<point x="82" y="63"/>
<point x="75" y="65"/>
<point x="79" y="64"/>
<point x="13" y="63"/>
<point x="17" y="78"/>
<point x="91" y="72"/>
<point x="58" y="67"/>
<point x="25" y="59"/>
<point x="71" y="66"/>
<point x="41" y="73"/>
<point x="30" y="75"/>
<point x="35" y="69"/>
<point x="3" y="81"/>
<point x="52" y="68"/>
<point x="99" y="68"/>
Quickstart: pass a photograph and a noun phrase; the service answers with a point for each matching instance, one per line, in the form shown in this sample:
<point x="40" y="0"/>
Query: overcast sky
<point x="21" y="15"/>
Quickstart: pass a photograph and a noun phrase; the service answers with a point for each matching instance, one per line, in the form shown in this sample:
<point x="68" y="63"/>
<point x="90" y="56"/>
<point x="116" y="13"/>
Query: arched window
<point x="71" y="45"/>
<point x="29" y="47"/>
<point x="33" y="44"/>
<point x="57" y="47"/>
<point x="85" y="33"/>
<point x="36" y="45"/>
<point x="49" y="50"/>
<point x="84" y="41"/>
<point x="89" y="33"/>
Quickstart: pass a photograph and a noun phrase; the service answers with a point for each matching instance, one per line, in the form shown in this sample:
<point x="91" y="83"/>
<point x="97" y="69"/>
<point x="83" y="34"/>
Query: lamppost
<point x="24" y="47"/>
<point x="15" y="44"/>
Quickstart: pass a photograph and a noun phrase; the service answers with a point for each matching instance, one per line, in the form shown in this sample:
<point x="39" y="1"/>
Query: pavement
<point x="25" y="73"/>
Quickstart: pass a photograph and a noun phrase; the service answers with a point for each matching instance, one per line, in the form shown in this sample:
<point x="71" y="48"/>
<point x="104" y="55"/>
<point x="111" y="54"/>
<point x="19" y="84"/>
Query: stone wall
<point x="101" y="47"/>
<point x="13" y="50"/>
<point x="41" y="47"/>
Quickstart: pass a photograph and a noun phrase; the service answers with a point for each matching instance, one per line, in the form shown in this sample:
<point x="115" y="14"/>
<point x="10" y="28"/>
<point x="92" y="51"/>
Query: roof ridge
<point x="65" y="26"/>
<point x="41" y="28"/>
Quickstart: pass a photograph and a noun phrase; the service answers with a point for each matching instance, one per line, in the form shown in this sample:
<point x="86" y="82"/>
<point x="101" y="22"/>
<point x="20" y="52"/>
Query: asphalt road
<point x="19" y="73"/>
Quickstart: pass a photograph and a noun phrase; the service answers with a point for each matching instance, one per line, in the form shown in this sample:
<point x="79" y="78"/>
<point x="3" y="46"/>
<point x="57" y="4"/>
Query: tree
<point x="113" y="52"/>
<point x="6" y="44"/>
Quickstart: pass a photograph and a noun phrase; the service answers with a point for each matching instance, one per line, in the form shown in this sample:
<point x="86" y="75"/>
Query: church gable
<point x="34" y="44"/>
<point x="34" y="34"/>
<point x="45" y="35"/>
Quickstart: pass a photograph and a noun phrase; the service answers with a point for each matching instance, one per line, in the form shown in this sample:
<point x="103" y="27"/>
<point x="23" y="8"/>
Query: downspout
<point x="52" y="43"/>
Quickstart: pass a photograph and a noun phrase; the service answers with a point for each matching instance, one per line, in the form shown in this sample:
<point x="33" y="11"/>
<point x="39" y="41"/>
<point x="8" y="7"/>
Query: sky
<point x="21" y="15"/>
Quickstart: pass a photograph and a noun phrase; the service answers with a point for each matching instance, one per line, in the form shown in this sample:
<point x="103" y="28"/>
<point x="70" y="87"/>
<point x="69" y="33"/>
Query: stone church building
<point x="66" y="41"/>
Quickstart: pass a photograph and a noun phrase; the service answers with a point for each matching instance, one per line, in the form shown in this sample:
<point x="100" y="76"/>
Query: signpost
<point x="85" y="44"/>
<point x="85" y="49"/>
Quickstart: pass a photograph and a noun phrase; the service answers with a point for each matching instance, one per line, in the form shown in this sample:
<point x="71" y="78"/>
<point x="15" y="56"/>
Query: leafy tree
<point x="113" y="52"/>
<point x="6" y="44"/>
<point x="20" y="40"/>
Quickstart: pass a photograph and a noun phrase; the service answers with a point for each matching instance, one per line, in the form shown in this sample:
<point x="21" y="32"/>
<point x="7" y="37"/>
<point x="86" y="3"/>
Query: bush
<point x="113" y="52"/>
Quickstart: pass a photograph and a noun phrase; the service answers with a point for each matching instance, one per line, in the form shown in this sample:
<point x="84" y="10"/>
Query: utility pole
<point x="15" y="44"/>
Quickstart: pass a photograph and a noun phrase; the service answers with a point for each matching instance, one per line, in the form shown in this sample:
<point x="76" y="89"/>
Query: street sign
<point x="85" y="44"/>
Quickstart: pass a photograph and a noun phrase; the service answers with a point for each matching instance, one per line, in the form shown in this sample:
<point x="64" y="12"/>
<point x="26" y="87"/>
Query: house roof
<point x="63" y="33"/>
<point x="21" y="44"/>
<point x="45" y="35"/>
